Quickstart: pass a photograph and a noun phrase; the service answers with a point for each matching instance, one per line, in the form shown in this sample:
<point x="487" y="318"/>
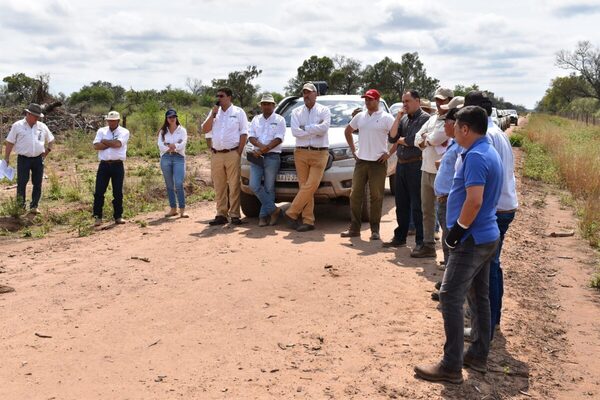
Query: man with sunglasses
<point x="373" y="127"/>
<point x="226" y="130"/>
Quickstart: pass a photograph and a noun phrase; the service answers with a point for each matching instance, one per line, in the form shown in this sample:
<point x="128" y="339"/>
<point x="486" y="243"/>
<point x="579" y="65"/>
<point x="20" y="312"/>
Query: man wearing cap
<point x="32" y="141"/>
<point x="373" y="127"/>
<point x="227" y="128"/>
<point x="408" y="171"/>
<point x="310" y="126"/>
<point x="473" y="239"/>
<point x="430" y="139"/>
<point x="507" y="204"/>
<point x="111" y="144"/>
<point x="266" y="134"/>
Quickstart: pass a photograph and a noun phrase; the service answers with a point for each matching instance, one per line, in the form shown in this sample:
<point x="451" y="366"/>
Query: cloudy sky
<point x="506" y="46"/>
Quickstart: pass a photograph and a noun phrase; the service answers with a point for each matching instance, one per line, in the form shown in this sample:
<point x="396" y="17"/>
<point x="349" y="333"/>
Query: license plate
<point x="287" y="177"/>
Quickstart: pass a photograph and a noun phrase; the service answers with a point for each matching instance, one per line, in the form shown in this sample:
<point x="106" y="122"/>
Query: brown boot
<point x="437" y="373"/>
<point x="474" y="363"/>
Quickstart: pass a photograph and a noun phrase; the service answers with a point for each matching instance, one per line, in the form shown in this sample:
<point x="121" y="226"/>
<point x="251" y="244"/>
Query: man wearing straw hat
<point x="266" y="134"/>
<point x="111" y="144"/>
<point x="32" y="141"/>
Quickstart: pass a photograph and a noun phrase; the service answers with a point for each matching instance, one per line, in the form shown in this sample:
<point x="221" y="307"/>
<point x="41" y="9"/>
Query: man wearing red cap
<point x="372" y="127"/>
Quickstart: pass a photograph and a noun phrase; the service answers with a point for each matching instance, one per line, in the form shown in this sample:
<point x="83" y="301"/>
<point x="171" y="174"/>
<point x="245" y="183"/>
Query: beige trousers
<point x="225" y="172"/>
<point x="310" y="166"/>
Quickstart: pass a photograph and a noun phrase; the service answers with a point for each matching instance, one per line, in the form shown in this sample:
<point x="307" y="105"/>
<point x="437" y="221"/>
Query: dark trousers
<point x="408" y="201"/>
<point x="496" y="278"/>
<point x="109" y="172"/>
<point x="24" y="166"/>
<point x="467" y="275"/>
<point x="370" y="173"/>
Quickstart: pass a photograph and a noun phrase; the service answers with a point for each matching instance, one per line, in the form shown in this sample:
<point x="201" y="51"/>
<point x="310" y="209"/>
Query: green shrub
<point x="516" y="140"/>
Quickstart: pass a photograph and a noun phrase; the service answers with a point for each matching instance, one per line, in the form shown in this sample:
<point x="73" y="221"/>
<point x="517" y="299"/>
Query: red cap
<point x="372" y="94"/>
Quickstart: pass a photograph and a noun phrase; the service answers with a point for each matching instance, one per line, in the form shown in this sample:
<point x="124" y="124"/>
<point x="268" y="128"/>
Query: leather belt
<point x="111" y="161"/>
<point x="312" y="148"/>
<point x="506" y="211"/>
<point x="409" y="160"/>
<point x="223" y="151"/>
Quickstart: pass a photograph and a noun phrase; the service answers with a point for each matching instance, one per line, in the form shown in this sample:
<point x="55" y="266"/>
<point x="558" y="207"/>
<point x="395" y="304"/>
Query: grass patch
<point x="11" y="208"/>
<point x="567" y="152"/>
<point x="516" y="139"/>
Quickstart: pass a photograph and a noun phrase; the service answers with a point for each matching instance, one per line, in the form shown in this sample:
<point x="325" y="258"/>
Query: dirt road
<point x="179" y="309"/>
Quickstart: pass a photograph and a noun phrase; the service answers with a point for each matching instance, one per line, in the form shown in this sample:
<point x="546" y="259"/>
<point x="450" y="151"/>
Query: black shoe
<point x="435" y="296"/>
<point x="438" y="285"/>
<point x="305" y="228"/>
<point x="219" y="220"/>
<point x="394" y="243"/>
<point x="291" y="223"/>
<point x="423" y="251"/>
<point x="6" y="289"/>
<point x="350" y="233"/>
<point x="236" y="221"/>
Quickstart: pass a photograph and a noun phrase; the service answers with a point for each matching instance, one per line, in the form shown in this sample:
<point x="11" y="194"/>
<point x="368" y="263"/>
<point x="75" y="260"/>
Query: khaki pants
<point x="310" y="166"/>
<point x="428" y="207"/>
<point x="225" y="172"/>
<point x="372" y="173"/>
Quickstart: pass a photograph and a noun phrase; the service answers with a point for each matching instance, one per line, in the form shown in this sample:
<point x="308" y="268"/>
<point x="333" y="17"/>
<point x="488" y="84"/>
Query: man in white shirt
<point x="111" y="144"/>
<point x="32" y="141"/>
<point x="310" y="126"/>
<point x="373" y="126"/>
<point x="507" y="204"/>
<point x="227" y="128"/>
<point x="266" y="134"/>
<point x="429" y="139"/>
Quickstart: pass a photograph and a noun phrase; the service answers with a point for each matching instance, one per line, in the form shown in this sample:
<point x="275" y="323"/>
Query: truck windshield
<point x="341" y="110"/>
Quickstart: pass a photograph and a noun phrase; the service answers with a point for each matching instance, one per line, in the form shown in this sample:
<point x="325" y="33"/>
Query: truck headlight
<point x="341" y="153"/>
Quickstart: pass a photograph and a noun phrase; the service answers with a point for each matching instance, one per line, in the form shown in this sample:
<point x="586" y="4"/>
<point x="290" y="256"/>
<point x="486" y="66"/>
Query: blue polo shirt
<point x="481" y="166"/>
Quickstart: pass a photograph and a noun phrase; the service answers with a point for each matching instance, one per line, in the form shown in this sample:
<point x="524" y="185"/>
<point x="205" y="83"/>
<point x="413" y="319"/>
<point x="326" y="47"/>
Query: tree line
<point x="578" y="92"/>
<point x="344" y="75"/>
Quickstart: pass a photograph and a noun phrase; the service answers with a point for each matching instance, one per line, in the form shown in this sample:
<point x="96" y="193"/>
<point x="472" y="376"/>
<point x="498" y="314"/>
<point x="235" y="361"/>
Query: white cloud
<point x="507" y="47"/>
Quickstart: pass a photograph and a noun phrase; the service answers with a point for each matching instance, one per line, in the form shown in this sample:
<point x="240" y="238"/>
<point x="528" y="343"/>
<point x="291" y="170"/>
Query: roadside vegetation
<point x="565" y="152"/>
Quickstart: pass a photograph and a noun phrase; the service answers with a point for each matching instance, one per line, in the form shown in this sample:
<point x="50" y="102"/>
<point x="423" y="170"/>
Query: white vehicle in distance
<point x="395" y="108"/>
<point x="337" y="179"/>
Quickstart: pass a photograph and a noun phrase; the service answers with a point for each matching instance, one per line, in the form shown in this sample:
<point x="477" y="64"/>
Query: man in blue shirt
<point x="473" y="237"/>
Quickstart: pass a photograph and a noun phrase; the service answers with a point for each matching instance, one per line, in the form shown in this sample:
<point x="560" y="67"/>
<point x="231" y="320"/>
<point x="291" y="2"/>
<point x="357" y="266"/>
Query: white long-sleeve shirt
<point x="265" y="130"/>
<point x="178" y="138"/>
<point x="316" y="123"/>
<point x="508" y="197"/>
<point x="227" y="128"/>
<point x="112" y="153"/>
<point x="433" y="135"/>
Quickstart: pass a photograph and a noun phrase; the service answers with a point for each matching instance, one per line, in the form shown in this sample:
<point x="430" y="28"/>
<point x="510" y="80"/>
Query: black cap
<point x="479" y="98"/>
<point x="451" y="114"/>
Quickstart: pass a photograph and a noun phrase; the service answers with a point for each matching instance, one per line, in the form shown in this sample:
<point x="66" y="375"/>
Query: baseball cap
<point x="443" y="93"/>
<point x="309" y="86"/>
<point x="371" y="94"/>
<point x="170" y="113"/>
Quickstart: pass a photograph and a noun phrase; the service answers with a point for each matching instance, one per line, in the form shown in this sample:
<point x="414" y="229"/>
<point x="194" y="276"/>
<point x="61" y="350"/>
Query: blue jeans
<point x="496" y="279"/>
<point x="467" y="275"/>
<point x="408" y="201"/>
<point x="262" y="183"/>
<point x="173" y="169"/>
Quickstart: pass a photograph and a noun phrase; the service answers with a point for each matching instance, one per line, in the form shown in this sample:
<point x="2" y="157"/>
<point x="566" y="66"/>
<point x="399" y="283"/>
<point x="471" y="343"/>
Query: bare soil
<point x="178" y="309"/>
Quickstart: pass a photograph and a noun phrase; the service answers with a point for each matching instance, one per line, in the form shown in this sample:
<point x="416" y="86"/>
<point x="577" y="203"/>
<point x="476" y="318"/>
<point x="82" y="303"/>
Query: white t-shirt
<point x="265" y="130"/>
<point x="112" y="154"/>
<point x="178" y="138"/>
<point x="372" y="133"/>
<point x="227" y="128"/>
<point x="29" y="141"/>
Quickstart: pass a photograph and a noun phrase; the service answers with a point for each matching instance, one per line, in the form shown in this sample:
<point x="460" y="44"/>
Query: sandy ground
<point x="257" y="313"/>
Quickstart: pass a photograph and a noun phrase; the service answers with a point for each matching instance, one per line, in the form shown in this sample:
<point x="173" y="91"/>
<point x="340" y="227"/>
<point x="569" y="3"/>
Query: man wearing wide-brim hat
<point x="111" y="144"/>
<point x="266" y="134"/>
<point x="32" y="141"/>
